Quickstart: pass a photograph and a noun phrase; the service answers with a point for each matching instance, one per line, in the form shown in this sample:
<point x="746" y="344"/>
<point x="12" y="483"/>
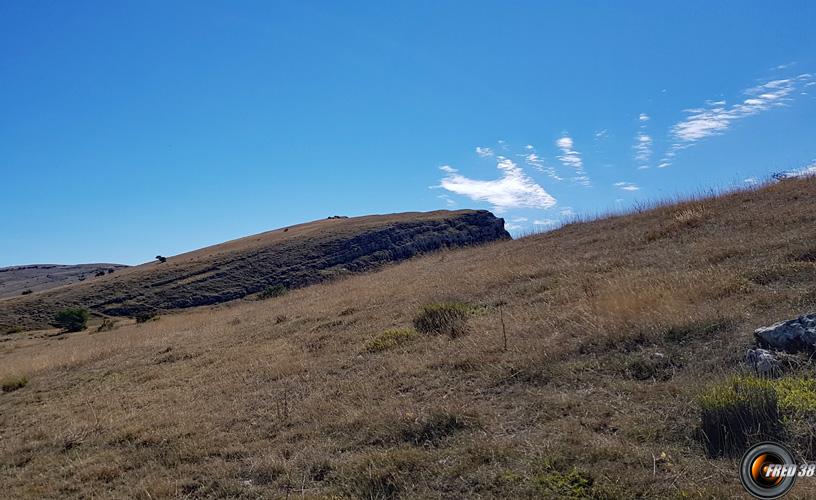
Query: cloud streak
<point x="572" y="158"/>
<point x="514" y="189"/>
<point x="717" y="117"/>
<point x="532" y="159"/>
<point x="626" y="186"/>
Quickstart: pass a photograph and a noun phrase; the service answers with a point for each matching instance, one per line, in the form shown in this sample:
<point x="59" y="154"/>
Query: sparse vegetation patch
<point x="390" y="339"/>
<point x="11" y="383"/>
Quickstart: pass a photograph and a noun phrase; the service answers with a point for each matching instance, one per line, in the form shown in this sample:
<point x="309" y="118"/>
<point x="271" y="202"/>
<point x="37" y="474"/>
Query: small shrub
<point x="447" y="318"/>
<point x="72" y="319"/>
<point x="144" y="317"/>
<point x="571" y="484"/>
<point x="430" y="430"/>
<point x="161" y="259"/>
<point x="15" y="329"/>
<point x="27" y="292"/>
<point x="736" y="413"/>
<point x="272" y="291"/>
<point x="656" y="366"/>
<point x="280" y="318"/>
<point x="12" y="383"/>
<point x="107" y="325"/>
<point x="390" y="339"/>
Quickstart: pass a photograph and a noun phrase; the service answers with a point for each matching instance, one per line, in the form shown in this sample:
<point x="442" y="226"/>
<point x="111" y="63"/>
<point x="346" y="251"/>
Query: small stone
<point x="763" y="362"/>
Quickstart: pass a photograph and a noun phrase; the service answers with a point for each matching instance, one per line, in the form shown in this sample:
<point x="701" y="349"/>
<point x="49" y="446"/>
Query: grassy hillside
<point x="289" y="257"/>
<point x="19" y="280"/>
<point x="613" y="329"/>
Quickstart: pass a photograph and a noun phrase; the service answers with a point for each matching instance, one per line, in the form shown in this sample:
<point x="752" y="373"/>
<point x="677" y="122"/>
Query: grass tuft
<point x="390" y="339"/>
<point x="12" y="382"/>
<point x="737" y="413"/>
<point x="446" y="318"/>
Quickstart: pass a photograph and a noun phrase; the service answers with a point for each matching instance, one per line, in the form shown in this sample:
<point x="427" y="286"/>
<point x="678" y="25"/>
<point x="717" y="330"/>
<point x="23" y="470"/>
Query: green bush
<point x="27" y="292"/>
<point x="737" y="413"/>
<point x="447" y="318"/>
<point x="272" y="291"/>
<point x="12" y="383"/>
<point x="390" y="339"/>
<point x="72" y="319"/>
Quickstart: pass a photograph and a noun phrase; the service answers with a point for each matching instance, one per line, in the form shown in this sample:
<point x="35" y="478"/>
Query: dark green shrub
<point x="12" y="383"/>
<point x="72" y="319"/>
<point x="737" y="413"/>
<point x="272" y="291"/>
<point x="447" y="318"/>
<point x="161" y="259"/>
<point x="27" y="292"/>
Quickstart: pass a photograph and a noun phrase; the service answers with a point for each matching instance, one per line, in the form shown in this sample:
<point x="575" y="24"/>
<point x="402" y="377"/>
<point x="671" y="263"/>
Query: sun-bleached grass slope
<point x="614" y="326"/>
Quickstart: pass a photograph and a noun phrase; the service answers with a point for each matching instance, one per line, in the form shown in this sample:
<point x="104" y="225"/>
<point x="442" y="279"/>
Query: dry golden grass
<point x="280" y="398"/>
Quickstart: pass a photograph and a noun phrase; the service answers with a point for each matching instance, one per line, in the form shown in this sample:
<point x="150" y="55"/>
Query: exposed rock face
<point x="293" y="257"/>
<point x="763" y="362"/>
<point x="792" y="336"/>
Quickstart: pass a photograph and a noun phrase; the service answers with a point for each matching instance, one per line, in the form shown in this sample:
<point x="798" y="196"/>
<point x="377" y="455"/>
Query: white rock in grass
<point x="793" y="335"/>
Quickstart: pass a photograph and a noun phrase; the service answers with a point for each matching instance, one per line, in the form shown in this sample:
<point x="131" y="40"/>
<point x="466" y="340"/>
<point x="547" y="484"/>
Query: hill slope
<point x="613" y="328"/>
<point x="295" y="256"/>
<point x="37" y="277"/>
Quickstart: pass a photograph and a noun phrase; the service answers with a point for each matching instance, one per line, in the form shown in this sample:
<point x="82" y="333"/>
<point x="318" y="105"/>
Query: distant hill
<point x="37" y="277"/>
<point x="292" y="257"/>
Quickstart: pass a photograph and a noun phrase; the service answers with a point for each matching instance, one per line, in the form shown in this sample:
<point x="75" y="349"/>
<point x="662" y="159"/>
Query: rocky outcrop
<point x="293" y="257"/>
<point x="794" y="335"/>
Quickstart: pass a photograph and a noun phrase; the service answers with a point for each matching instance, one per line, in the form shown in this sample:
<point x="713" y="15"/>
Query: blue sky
<point x="130" y="129"/>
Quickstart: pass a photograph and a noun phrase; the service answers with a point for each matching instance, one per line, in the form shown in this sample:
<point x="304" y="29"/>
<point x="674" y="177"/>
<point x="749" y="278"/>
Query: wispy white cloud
<point x="626" y="186"/>
<point x="567" y="212"/>
<point x="751" y="180"/>
<point x="602" y="134"/>
<point x="716" y="117"/>
<point x="643" y="143"/>
<point x="484" y="152"/>
<point x="643" y="148"/>
<point x="514" y="189"/>
<point x="572" y="158"/>
<point x="447" y="199"/>
<point x="545" y="222"/>
<point x="532" y="159"/>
